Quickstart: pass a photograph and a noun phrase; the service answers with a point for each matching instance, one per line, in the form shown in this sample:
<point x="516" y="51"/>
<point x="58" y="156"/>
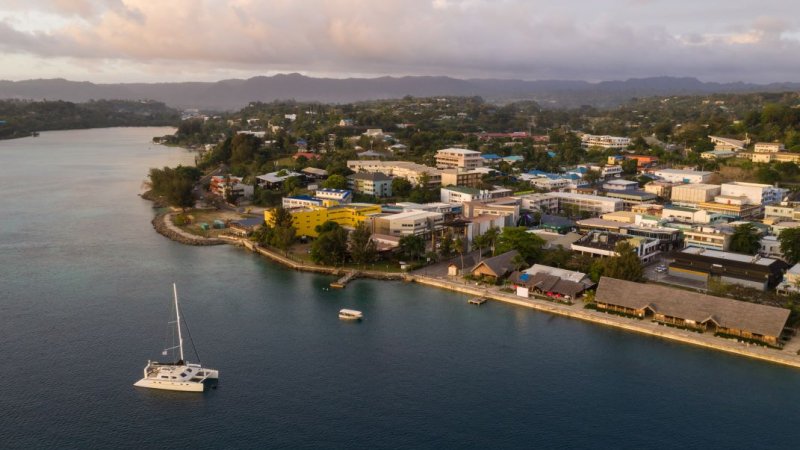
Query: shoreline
<point x="783" y="357"/>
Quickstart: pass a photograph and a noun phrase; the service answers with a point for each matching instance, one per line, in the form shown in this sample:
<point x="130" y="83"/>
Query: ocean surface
<point x="85" y="291"/>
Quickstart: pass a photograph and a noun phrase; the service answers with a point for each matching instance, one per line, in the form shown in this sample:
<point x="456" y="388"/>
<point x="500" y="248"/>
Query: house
<point x="245" y="227"/>
<point x="551" y="282"/>
<point x="686" y="309"/>
<point x="727" y="144"/>
<point x="306" y="155"/>
<point x="313" y="173"/>
<point x="496" y="267"/>
<point x="274" y="180"/>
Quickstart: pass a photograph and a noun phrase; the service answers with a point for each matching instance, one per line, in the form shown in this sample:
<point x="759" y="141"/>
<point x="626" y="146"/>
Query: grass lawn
<point x="198" y="216"/>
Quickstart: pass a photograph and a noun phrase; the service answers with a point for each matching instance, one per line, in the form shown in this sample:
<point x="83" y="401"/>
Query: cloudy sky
<point x="206" y="40"/>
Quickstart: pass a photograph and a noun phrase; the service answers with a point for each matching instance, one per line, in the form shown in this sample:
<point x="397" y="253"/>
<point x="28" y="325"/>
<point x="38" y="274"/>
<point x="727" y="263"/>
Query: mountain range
<point x="237" y="93"/>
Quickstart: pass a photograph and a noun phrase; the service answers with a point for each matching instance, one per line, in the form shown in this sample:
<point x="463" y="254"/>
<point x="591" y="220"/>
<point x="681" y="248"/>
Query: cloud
<point x="529" y="39"/>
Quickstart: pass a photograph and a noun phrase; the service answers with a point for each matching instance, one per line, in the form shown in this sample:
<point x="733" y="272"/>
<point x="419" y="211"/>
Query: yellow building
<point x="306" y="219"/>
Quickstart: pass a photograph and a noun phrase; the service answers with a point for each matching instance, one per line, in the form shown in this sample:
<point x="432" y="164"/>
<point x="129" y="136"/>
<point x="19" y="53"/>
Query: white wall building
<point x="692" y="194"/>
<point x="458" y="158"/>
<point x="683" y="176"/>
<point x="607" y="142"/>
<point x="768" y="147"/>
<point x="757" y="194"/>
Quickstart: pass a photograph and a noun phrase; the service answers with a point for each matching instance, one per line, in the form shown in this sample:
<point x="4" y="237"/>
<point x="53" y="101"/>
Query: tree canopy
<point x="527" y="244"/>
<point x="626" y="265"/>
<point x="745" y="239"/>
<point x="790" y="244"/>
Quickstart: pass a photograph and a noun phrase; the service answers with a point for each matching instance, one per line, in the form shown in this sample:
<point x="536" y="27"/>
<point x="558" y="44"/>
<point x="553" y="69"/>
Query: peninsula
<point x="659" y="225"/>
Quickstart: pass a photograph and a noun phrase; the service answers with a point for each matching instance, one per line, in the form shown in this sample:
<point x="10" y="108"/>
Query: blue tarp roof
<point x="490" y="156"/>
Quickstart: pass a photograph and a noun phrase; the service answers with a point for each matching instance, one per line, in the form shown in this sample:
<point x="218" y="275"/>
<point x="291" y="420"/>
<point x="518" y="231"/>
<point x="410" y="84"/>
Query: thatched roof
<point x="727" y="313"/>
<point x="499" y="265"/>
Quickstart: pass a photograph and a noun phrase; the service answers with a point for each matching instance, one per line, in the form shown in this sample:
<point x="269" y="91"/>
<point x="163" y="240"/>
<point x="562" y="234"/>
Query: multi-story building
<point x="757" y="194"/>
<point x="707" y="237"/>
<point x="683" y="176"/>
<point x="508" y="207"/>
<point x="732" y="207"/>
<point x="539" y="202"/>
<point x="456" y="177"/>
<point x="606" y="142"/>
<point x="767" y="157"/>
<point x="408" y="223"/>
<point x="603" y="243"/>
<point x="593" y="204"/>
<point x="305" y="220"/>
<point x="414" y="173"/>
<point x="458" y="158"/>
<point x="769" y="147"/>
<point x="631" y="198"/>
<point x="783" y="211"/>
<point x="661" y="189"/>
<point x="684" y="214"/>
<point x="374" y="183"/>
<point x="621" y="185"/>
<point x="700" y="264"/>
<point x="340" y="196"/>
<point x="693" y="194"/>
<point x="459" y="194"/>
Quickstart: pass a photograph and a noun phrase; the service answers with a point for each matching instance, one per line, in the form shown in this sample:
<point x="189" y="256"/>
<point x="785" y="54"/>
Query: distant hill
<point x="236" y="93"/>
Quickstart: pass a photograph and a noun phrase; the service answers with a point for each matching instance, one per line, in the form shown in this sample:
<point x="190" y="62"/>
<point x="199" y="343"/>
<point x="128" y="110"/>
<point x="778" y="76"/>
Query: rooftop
<point x="460" y="151"/>
<point x="730" y="256"/>
<point x="371" y="176"/>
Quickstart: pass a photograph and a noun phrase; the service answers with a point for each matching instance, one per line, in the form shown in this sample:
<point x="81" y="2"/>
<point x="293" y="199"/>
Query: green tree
<point x="283" y="231"/>
<point x="592" y="176"/>
<point x="330" y="247"/>
<point x="401" y="187"/>
<point x="629" y="166"/>
<point x="335" y="182"/>
<point x="412" y="246"/>
<point x="626" y="265"/>
<point x="790" y="244"/>
<point x="362" y="248"/>
<point x="745" y="239"/>
<point x="446" y="244"/>
<point x="175" y="185"/>
<point x="527" y="244"/>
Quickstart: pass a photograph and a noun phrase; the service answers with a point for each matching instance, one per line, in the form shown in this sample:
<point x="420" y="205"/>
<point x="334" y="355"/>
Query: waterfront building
<point x="458" y="158"/>
<point x="693" y="194"/>
<point x="551" y="282"/>
<point x="306" y="219"/>
<point x="791" y="281"/>
<point x="686" y="309"/>
<point x="409" y="223"/>
<point x="495" y="267"/>
<point x="701" y="264"/>
<point x="375" y="183"/>
<point x="604" y="243"/>
<point x="683" y="176"/>
<point x="605" y="141"/>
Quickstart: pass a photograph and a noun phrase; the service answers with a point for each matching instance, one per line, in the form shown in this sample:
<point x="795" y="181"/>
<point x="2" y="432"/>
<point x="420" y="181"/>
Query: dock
<point x="477" y="301"/>
<point x="342" y="282"/>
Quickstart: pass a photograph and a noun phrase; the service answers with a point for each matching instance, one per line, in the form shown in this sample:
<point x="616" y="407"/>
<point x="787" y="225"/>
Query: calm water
<point x="84" y="292"/>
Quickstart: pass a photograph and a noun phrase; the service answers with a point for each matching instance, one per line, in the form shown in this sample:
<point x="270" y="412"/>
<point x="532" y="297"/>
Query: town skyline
<point x="139" y="41"/>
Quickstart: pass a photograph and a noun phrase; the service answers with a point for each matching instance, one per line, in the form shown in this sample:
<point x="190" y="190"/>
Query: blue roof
<point x="513" y="158"/>
<point x="524" y="276"/>
<point x="551" y="154"/>
<point x="490" y="156"/>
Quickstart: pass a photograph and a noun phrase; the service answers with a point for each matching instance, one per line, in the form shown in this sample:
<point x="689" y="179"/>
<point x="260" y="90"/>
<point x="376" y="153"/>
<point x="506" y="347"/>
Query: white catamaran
<point x="180" y="375"/>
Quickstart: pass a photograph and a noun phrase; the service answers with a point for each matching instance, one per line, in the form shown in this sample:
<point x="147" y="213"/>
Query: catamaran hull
<point x="171" y="385"/>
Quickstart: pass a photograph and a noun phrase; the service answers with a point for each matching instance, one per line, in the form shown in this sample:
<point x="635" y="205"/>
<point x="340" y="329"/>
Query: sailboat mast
<point x="178" y="319"/>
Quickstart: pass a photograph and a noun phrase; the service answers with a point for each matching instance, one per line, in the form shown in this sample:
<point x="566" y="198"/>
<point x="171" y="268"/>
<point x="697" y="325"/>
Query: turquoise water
<point x="85" y="286"/>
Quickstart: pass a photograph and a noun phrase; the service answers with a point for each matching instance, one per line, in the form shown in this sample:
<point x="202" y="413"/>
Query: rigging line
<point x="189" y="333"/>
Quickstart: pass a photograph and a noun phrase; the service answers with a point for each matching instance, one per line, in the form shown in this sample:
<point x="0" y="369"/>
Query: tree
<point x="175" y="185"/>
<point x="412" y="246"/>
<point x="790" y="244"/>
<point x="745" y="239"/>
<point x="330" y="247"/>
<point x="362" y="248"/>
<point x="446" y="244"/>
<point x="283" y="231"/>
<point x="458" y="244"/>
<point x="592" y="176"/>
<point x="401" y="187"/>
<point x="527" y="244"/>
<point x="335" y="182"/>
<point x="626" y="265"/>
<point x="630" y="166"/>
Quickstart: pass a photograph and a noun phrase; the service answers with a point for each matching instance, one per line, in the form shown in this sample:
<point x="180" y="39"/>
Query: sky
<point x="208" y="40"/>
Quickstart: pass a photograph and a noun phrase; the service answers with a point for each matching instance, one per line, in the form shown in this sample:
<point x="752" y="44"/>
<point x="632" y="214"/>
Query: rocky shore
<point x="164" y="226"/>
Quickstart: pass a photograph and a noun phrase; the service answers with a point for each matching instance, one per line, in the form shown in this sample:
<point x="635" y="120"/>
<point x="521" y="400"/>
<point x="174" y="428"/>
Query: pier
<point x="342" y="282"/>
<point x="477" y="301"/>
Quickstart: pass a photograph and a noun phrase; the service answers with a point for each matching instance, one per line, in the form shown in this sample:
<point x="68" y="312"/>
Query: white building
<point x="343" y="196"/>
<point x="723" y="143"/>
<point x="458" y="158"/>
<point x="594" y="204"/>
<point x="757" y="194"/>
<point x="370" y="183"/>
<point x="408" y="223"/>
<point x="687" y="215"/>
<point x="770" y="247"/>
<point x="457" y="195"/>
<point x="692" y="194"/>
<point x="539" y="202"/>
<point x="413" y="172"/>
<point x="768" y="147"/>
<point x="606" y="142"/>
<point x="683" y="176"/>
